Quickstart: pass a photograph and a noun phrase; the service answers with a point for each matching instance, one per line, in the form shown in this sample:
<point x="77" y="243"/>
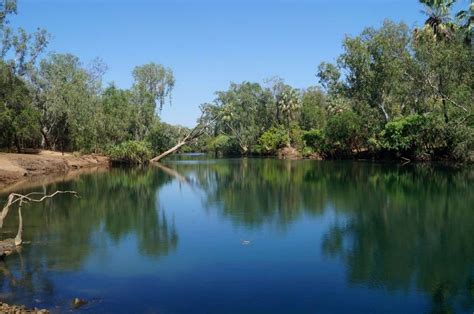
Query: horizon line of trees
<point x="393" y="92"/>
<point x="57" y="103"/>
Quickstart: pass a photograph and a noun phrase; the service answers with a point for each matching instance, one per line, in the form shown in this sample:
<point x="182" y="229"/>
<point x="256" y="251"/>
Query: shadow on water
<point x="394" y="228"/>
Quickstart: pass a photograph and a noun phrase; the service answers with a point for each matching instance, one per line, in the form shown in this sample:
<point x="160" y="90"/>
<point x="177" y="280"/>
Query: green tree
<point x="243" y="113"/>
<point x="313" y="109"/>
<point x="68" y="103"/>
<point x="153" y="83"/>
<point x="116" y="120"/>
<point x="375" y="63"/>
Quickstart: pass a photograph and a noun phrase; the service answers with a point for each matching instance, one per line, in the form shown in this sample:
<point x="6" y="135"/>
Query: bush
<point x="343" y="131"/>
<point x="296" y="137"/>
<point x="162" y="136"/>
<point x="402" y="134"/>
<point x="221" y="143"/>
<point x="315" y="139"/>
<point x="132" y="152"/>
<point x="273" y="139"/>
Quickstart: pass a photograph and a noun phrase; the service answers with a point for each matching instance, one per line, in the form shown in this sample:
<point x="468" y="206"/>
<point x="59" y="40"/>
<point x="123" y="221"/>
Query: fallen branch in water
<point x="10" y="245"/>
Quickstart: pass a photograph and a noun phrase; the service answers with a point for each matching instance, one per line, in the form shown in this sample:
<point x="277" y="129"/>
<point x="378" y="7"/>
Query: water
<point x="250" y="236"/>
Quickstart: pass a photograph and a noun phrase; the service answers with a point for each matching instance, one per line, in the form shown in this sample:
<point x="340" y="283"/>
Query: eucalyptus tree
<point x="67" y="100"/>
<point x="153" y="84"/>
<point x="243" y="111"/>
<point x="18" y="119"/>
<point x="329" y="77"/>
<point x="375" y="63"/>
<point x="117" y="116"/>
<point x="18" y="49"/>
<point x="18" y="54"/>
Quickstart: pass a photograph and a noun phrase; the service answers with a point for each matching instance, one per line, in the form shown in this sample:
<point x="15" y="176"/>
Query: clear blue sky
<point x="210" y="43"/>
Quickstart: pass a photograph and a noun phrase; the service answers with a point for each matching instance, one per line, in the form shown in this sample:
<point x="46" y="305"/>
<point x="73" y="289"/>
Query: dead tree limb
<point x="8" y="246"/>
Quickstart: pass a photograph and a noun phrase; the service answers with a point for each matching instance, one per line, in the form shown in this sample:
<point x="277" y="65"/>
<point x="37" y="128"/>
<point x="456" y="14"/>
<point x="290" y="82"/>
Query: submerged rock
<point x="77" y="303"/>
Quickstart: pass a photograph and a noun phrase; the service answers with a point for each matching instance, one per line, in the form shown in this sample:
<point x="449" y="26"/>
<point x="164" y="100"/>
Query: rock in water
<point x="77" y="303"/>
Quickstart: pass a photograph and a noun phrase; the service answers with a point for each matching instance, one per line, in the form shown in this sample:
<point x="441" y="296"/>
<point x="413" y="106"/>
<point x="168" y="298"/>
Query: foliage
<point x="315" y="139"/>
<point x="134" y="152"/>
<point x="313" y="109"/>
<point x="393" y="91"/>
<point x="153" y="84"/>
<point x="273" y="139"/>
<point x="163" y="136"/>
<point x="343" y="132"/>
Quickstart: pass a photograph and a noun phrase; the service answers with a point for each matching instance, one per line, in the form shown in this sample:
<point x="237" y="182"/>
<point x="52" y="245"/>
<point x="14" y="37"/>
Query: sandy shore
<point x="17" y="168"/>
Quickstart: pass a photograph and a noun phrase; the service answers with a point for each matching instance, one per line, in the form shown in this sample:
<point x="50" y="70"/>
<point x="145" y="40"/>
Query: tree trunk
<point x="169" y="151"/>
<point x="46" y="142"/>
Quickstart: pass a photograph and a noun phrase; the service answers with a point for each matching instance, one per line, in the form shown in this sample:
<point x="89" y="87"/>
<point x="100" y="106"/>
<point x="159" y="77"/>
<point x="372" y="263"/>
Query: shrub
<point x="132" y="152"/>
<point x="315" y="139"/>
<point x="402" y="134"/>
<point x="343" y="131"/>
<point x="415" y="135"/>
<point x="296" y="137"/>
<point x="273" y="139"/>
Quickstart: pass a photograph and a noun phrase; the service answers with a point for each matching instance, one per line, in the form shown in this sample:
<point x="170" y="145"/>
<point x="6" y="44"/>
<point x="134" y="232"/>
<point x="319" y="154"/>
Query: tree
<point x="375" y="63"/>
<point x="439" y="17"/>
<point x="153" y="84"/>
<point x="68" y="104"/>
<point x="18" y="49"/>
<point x="313" y="109"/>
<point x="288" y="104"/>
<point x="18" y="119"/>
<point x="18" y="54"/>
<point x="243" y="113"/>
<point x="329" y="75"/>
<point x="116" y="120"/>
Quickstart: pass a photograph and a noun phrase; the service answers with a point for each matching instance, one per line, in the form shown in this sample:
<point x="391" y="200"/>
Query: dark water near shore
<point x="250" y="236"/>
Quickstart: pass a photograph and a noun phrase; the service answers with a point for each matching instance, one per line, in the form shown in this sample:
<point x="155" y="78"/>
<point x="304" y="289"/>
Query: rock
<point x="10" y="309"/>
<point x="77" y="303"/>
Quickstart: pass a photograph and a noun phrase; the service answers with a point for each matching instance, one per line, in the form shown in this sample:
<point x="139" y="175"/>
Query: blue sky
<point x="209" y="43"/>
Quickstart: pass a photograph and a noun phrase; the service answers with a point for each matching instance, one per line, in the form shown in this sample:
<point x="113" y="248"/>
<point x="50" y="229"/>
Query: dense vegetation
<point x="394" y="92"/>
<point x="58" y="103"/>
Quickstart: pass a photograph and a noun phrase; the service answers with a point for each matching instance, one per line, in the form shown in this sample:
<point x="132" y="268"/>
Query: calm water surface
<point x="251" y="236"/>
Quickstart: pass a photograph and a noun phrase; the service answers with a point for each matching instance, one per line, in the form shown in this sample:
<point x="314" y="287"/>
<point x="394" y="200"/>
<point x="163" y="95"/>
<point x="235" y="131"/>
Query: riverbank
<point x="16" y="168"/>
<point x="6" y="308"/>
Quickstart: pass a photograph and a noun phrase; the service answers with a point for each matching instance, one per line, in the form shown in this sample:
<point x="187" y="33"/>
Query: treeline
<point x="58" y="103"/>
<point x="394" y="92"/>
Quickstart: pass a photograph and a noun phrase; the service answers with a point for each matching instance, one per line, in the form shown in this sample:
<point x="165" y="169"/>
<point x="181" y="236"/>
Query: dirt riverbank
<point x="16" y="168"/>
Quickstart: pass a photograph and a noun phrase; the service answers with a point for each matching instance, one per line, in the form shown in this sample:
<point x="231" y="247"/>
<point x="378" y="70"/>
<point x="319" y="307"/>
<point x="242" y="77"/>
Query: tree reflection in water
<point x="396" y="228"/>
<point x="402" y="227"/>
<point x="63" y="233"/>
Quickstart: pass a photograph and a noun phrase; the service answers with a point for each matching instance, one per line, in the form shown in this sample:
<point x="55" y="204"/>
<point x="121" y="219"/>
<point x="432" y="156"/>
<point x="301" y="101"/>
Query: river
<point x="247" y="235"/>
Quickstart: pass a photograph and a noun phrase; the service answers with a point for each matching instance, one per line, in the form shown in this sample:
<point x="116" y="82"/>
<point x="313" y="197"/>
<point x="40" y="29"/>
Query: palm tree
<point x="439" y="17"/>
<point x="466" y="20"/>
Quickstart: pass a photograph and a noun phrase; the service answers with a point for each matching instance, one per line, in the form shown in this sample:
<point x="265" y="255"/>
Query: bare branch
<point x="8" y="246"/>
